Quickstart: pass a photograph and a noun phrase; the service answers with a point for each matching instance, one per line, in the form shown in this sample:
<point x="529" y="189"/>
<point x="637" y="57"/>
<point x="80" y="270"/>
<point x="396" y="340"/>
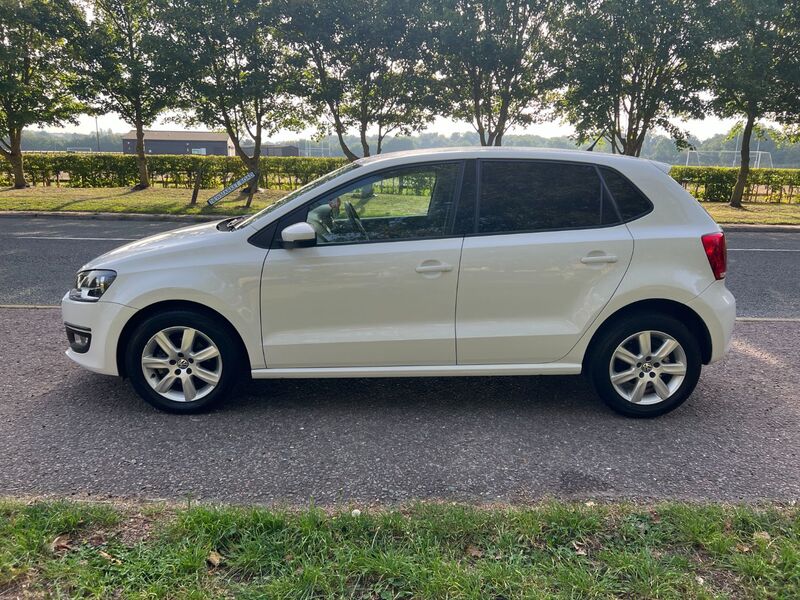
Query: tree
<point x="362" y="63"/>
<point x="36" y="76"/>
<point x="123" y="63"/>
<point x="755" y="71"/>
<point x="495" y="62"/>
<point x="232" y="72"/>
<point x="631" y="65"/>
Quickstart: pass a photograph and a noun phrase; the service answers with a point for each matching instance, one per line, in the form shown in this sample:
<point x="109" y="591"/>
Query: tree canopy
<point x="37" y="81"/>
<point x="755" y="71"/>
<point x="230" y="71"/>
<point x="123" y="63"/>
<point x="632" y="65"/>
<point x="362" y="65"/>
<point x="496" y="64"/>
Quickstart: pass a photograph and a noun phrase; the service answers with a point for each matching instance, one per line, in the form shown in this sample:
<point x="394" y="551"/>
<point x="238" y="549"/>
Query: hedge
<point x="715" y="184"/>
<point x="119" y="170"/>
<point x="710" y="184"/>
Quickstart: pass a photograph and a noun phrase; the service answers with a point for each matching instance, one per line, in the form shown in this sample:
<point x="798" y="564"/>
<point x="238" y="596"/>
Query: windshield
<point x="245" y="221"/>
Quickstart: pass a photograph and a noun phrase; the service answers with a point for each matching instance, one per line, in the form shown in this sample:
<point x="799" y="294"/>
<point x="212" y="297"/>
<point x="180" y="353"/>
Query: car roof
<point x="509" y="152"/>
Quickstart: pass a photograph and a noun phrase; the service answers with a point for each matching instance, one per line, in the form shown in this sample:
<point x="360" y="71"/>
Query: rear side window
<point x="629" y="200"/>
<point x="541" y="195"/>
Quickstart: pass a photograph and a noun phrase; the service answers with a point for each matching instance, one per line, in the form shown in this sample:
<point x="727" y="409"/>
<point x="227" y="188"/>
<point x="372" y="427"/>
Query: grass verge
<point x="155" y="200"/>
<point x="754" y="213"/>
<point x="668" y="550"/>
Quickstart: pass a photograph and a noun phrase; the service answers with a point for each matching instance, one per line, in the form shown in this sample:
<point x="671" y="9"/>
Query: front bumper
<point x="717" y="307"/>
<point x="104" y="322"/>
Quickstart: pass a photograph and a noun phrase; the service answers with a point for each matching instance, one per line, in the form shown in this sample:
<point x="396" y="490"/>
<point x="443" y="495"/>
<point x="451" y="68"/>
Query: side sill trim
<point x="423" y="371"/>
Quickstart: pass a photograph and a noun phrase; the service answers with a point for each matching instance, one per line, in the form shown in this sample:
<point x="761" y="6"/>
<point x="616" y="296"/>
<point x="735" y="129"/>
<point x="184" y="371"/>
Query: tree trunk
<point x="364" y="142"/>
<point x="15" y="158"/>
<point x="254" y="164"/>
<point x="744" y="169"/>
<point x="141" y="159"/>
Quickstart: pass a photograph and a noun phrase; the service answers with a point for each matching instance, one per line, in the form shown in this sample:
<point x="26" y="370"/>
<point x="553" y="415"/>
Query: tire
<point x="665" y="388"/>
<point x="149" y="365"/>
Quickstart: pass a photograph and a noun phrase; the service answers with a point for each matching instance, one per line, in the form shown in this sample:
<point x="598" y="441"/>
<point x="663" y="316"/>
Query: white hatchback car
<point x="487" y="261"/>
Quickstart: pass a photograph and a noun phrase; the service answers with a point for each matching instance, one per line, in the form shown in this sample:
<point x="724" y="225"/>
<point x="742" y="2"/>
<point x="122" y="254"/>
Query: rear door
<point x="547" y="252"/>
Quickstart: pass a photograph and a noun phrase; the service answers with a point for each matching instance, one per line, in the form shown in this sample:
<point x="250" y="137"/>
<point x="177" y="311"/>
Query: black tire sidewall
<point x="615" y="334"/>
<point x="217" y="332"/>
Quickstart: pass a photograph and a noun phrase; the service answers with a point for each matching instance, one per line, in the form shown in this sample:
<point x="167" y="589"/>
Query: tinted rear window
<point x="532" y="196"/>
<point x="630" y="201"/>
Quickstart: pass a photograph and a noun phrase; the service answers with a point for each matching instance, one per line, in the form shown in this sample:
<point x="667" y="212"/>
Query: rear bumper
<point x="717" y="307"/>
<point x="103" y="323"/>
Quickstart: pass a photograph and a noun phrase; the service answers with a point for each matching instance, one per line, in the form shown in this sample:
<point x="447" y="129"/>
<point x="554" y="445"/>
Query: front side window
<point x="407" y="203"/>
<point x="540" y="195"/>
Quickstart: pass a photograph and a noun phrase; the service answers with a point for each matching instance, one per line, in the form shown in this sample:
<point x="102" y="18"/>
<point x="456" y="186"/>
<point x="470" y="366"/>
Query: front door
<point x="379" y="287"/>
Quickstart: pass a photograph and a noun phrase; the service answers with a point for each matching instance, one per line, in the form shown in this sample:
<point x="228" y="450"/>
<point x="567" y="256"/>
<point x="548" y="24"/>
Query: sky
<point x="701" y="128"/>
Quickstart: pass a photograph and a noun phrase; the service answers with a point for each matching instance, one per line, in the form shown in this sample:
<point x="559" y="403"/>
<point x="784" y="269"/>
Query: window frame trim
<point x="301" y="212"/>
<point x="620" y="221"/>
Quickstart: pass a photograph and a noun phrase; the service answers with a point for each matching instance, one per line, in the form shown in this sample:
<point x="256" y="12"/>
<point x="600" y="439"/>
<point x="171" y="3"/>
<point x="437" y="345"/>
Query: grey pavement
<point x="65" y="431"/>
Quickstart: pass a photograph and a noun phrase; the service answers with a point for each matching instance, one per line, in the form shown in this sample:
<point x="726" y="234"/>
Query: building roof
<point x="181" y="136"/>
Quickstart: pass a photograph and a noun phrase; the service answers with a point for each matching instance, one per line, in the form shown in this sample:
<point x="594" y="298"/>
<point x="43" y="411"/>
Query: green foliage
<point x="119" y="170"/>
<point x="122" y="60"/>
<point x="631" y="65"/>
<point x="36" y="76"/>
<point x="230" y="69"/>
<point x="362" y="64"/>
<point x="496" y="62"/>
<point x="715" y="184"/>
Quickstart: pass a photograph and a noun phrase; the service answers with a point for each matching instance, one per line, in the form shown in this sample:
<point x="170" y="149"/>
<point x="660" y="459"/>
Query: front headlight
<point x="90" y="285"/>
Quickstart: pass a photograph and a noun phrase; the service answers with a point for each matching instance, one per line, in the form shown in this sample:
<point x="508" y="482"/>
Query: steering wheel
<point x="355" y="219"/>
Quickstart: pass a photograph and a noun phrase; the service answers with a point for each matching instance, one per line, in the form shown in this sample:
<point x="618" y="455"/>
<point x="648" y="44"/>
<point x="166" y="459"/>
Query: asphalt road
<point x="40" y="257"/>
<point x="65" y="431"/>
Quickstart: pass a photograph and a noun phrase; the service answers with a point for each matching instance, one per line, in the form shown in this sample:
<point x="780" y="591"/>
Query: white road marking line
<point x="763" y="249"/>
<point x="36" y="306"/>
<point x="769" y="319"/>
<point x="90" y="239"/>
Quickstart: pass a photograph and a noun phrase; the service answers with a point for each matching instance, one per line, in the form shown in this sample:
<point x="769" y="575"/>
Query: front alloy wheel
<point x="184" y="361"/>
<point x="181" y="364"/>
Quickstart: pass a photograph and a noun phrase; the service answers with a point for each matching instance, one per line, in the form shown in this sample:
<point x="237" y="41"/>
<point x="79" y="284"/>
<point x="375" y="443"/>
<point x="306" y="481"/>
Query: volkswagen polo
<point x="455" y="262"/>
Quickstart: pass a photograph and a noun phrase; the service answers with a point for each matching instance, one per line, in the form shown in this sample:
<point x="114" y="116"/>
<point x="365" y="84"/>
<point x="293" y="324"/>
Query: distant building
<point x="180" y="142"/>
<point x="266" y="150"/>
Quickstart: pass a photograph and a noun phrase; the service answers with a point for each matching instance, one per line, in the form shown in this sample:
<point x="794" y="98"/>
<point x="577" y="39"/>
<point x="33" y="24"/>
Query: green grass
<point x="157" y="200"/>
<point x="755" y="213"/>
<point x="550" y="550"/>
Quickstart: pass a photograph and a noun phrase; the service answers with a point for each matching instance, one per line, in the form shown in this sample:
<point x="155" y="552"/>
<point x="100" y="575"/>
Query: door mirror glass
<point x="299" y="235"/>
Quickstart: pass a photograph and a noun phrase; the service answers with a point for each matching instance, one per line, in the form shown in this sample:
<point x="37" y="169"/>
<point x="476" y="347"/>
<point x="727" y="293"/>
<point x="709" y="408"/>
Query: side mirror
<point x="299" y="235"/>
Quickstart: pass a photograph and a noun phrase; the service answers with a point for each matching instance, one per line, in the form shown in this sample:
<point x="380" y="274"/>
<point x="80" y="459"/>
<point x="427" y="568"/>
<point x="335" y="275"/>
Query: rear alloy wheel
<point x="645" y="366"/>
<point x="182" y="361"/>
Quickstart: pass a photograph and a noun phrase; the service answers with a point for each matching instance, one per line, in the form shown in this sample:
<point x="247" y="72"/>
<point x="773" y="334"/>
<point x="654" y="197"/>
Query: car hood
<point x="183" y="239"/>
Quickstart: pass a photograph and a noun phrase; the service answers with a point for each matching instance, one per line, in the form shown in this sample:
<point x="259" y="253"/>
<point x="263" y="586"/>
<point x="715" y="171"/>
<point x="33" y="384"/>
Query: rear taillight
<point x="717" y="253"/>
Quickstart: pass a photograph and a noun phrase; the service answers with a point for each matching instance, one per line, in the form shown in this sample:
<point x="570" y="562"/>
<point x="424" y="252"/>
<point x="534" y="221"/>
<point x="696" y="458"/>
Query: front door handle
<point x="433" y="266"/>
<point x="593" y="259"/>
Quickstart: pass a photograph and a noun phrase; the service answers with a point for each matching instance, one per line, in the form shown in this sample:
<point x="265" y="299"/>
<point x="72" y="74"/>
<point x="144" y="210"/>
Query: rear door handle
<point x="593" y="259"/>
<point x="430" y="266"/>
